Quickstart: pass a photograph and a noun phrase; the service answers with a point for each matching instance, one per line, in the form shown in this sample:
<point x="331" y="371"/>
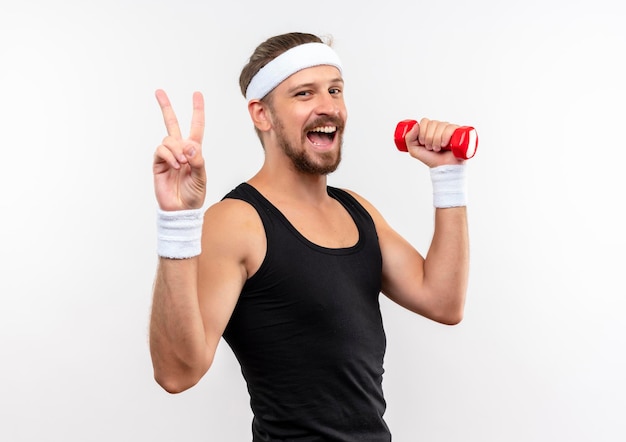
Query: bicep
<point x="232" y="242"/>
<point x="403" y="275"/>
<point x="403" y="271"/>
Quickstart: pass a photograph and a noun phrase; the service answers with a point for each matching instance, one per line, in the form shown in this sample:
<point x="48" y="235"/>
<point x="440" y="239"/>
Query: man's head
<point x="293" y="83"/>
<point x="268" y="51"/>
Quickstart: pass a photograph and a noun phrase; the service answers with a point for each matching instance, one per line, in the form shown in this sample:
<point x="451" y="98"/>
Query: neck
<point x="287" y="183"/>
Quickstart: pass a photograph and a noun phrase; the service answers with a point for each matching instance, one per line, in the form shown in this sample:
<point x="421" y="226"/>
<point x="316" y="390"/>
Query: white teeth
<point x="325" y="129"/>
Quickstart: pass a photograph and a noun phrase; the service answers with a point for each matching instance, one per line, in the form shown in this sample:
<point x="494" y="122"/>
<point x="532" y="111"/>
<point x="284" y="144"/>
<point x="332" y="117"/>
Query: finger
<point x="197" y="119"/>
<point x="423" y="131"/>
<point x="169" y="117"/>
<point x="176" y="146"/>
<point x="195" y="161"/>
<point x="412" y="136"/>
<point x="430" y="130"/>
<point x="438" y="138"/>
<point x="165" y="155"/>
<point x="446" y="136"/>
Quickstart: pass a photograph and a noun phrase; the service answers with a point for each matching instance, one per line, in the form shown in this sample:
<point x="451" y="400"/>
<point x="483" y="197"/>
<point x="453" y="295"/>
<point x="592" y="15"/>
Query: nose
<point x="329" y="105"/>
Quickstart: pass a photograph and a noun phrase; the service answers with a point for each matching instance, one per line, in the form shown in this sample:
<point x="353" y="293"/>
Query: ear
<point x="260" y="115"/>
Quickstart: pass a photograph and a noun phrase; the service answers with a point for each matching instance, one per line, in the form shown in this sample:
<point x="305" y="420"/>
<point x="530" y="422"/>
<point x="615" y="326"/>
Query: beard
<point x="321" y="163"/>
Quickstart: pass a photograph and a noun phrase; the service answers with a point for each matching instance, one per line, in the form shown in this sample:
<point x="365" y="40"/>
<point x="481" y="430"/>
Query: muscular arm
<point x="434" y="287"/>
<point x="194" y="298"/>
<point x="178" y="342"/>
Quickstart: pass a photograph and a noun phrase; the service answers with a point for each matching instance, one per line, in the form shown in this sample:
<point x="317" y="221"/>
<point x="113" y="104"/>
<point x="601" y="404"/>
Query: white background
<point x="540" y="355"/>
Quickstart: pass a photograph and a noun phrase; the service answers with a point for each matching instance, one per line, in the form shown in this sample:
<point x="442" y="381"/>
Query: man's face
<point x="308" y="114"/>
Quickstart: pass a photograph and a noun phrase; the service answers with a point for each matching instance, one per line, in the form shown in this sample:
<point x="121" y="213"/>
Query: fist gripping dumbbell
<point x="463" y="143"/>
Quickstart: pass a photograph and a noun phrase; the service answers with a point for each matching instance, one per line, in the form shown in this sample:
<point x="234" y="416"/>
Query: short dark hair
<point x="269" y="50"/>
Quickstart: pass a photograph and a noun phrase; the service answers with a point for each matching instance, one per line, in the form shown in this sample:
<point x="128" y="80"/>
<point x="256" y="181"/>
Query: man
<point x="287" y="269"/>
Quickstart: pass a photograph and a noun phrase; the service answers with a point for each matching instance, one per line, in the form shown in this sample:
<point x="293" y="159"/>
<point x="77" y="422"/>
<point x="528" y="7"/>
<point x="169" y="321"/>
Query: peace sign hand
<point x="178" y="167"/>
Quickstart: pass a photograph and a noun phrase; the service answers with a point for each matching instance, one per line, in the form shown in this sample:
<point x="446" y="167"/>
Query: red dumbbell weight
<point x="463" y="143"/>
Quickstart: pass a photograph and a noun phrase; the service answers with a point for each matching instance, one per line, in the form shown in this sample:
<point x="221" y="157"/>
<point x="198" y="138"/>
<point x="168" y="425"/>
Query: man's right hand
<point x="178" y="167"/>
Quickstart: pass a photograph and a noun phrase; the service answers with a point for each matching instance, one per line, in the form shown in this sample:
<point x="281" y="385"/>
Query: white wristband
<point x="179" y="233"/>
<point x="449" y="188"/>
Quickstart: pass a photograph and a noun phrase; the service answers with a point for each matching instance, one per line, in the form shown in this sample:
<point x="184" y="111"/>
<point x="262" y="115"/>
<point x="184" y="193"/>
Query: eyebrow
<point x="334" y="81"/>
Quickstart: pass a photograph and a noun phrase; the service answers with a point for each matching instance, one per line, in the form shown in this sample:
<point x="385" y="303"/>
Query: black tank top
<point x="308" y="333"/>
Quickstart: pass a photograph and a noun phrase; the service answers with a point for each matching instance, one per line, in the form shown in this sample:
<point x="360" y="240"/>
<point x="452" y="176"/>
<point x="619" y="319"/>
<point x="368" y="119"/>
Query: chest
<point x="330" y="226"/>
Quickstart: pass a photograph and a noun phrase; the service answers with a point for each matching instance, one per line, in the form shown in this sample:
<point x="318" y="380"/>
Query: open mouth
<point x="322" y="135"/>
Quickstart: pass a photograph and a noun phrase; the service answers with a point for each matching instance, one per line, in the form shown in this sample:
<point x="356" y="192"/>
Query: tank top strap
<point x="270" y="213"/>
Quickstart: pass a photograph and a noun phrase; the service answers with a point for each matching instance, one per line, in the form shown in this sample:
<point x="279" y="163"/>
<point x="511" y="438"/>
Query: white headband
<point x="288" y="63"/>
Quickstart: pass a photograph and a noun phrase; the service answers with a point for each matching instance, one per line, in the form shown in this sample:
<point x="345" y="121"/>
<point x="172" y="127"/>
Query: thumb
<point x="194" y="185"/>
<point x="193" y="155"/>
<point x="412" y="136"/>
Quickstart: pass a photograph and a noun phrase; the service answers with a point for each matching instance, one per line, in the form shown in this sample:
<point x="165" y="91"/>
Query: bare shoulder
<point x="233" y="231"/>
<point x="231" y="213"/>
<point x="233" y="246"/>
<point x="374" y="213"/>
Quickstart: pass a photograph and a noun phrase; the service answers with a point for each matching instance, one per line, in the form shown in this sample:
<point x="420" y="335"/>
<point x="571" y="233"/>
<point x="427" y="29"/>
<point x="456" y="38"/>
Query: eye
<point x="334" y="91"/>
<point x="302" y="93"/>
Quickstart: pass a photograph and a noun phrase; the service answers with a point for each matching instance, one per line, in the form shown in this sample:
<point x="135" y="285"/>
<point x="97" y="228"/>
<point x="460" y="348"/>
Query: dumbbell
<point x="463" y="143"/>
